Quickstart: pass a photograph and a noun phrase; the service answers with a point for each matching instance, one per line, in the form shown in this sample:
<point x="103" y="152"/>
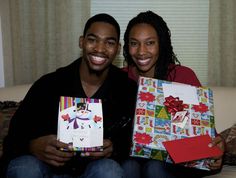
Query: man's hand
<point x="107" y="151"/>
<point x="217" y="161"/>
<point x="47" y="149"/>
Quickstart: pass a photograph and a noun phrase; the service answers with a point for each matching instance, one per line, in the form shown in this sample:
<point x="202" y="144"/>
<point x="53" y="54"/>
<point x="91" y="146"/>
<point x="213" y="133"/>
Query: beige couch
<point x="224" y="107"/>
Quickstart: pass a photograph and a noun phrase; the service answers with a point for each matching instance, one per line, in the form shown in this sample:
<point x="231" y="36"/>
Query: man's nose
<point x="100" y="46"/>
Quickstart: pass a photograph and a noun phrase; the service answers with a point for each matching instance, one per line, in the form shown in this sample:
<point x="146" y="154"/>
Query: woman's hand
<point x="216" y="162"/>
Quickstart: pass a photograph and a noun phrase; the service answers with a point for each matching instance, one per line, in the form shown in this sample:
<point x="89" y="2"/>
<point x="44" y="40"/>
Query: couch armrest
<point x="14" y="93"/>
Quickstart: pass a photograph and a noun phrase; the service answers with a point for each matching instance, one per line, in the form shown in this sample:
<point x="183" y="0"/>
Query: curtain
<point x="44" y="35"/>
<point x="222" y="43"/>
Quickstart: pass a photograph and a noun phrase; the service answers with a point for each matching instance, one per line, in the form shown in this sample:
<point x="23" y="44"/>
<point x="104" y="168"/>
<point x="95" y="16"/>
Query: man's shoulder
<point x="120" y="81"/>
<point x="118" y="74"/>
<point x="114" y="69"/>
<point x="72" y="64"/>
<point x="65" y="70"/>
<point x="57" y="77"/>
<point x="123" y="88"/>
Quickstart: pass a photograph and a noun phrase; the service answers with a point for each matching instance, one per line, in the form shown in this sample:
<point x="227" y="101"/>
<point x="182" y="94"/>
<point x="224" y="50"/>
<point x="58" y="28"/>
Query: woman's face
<point x="144" y="48"/>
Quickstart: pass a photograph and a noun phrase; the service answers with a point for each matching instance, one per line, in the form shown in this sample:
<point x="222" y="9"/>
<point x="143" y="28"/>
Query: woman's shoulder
<point x="183" y="74"/>
<point x="181" y="68"/>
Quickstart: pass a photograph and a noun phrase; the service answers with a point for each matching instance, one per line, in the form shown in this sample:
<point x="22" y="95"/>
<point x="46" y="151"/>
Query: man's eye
<point x="91" y="39"/>
<point x="111" y="43"/>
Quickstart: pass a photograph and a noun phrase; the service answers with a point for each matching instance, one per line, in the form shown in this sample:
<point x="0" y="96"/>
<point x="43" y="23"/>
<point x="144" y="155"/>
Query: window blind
<point x="187" y="20"/>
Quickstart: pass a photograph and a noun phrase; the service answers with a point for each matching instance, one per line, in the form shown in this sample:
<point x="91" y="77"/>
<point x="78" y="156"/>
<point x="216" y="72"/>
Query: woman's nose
<point x="142" y="49"/>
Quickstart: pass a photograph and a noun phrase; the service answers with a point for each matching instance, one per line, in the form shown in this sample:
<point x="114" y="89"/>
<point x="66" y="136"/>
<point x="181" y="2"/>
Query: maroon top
<point x="179" y="74"/>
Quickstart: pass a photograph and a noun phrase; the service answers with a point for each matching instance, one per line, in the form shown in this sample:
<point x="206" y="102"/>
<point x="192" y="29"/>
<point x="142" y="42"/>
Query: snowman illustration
<point x="83" y="117"/>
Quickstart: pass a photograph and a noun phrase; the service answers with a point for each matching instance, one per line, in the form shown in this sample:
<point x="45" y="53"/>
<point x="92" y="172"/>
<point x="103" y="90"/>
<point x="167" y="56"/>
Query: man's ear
<point x="81" y="40"/>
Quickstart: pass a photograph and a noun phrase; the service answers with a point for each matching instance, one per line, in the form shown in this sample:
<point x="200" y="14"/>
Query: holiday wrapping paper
<point x="168" y="111"/>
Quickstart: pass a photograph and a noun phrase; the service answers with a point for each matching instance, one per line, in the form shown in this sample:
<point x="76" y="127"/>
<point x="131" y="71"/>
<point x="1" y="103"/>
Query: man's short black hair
<point x="102" y="18"/>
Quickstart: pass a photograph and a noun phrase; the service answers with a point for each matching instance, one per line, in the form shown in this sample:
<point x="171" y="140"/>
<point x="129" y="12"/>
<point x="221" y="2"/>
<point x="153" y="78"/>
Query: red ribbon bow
<point x="174" y="105"/>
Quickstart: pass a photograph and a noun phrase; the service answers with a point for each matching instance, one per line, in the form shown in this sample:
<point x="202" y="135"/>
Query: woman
<point x="148" y="52"/>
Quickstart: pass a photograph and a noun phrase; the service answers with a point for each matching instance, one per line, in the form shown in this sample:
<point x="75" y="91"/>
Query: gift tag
<point x="180" y="119"/>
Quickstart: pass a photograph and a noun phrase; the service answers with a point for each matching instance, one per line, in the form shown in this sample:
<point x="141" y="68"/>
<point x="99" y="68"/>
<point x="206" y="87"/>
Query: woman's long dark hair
<point x="166" y="54"/>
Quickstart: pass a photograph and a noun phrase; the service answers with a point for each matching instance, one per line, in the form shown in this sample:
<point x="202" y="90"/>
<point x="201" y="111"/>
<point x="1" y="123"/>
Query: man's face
<point x="100" y="46"/>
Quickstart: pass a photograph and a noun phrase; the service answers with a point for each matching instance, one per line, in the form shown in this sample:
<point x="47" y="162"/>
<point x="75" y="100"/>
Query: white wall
<point x="2" y="82"/>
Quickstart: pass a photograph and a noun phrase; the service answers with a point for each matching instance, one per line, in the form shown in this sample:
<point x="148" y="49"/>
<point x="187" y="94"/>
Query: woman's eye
<point x="133" y="43"/>
<point x="150" y="43"/>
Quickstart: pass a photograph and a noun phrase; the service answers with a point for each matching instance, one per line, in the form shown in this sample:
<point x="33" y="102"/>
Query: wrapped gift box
<point x="168" y="111"/>
<point x="80" y="123"/>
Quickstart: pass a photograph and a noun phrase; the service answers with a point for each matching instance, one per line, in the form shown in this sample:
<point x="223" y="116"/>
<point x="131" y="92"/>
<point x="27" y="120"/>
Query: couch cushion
<point x="7" y="109"/>
<point x="226" y="172"/>
<point x="230" y="138"/>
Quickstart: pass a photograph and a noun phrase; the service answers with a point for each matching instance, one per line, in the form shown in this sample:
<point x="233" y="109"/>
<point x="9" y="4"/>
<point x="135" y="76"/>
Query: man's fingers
<point x="107" y="150"/>
<point x="105" y="153"/>
<point x="55" y="163"/>
<point x="60" y="145"/>
<point x="57" y="158"/>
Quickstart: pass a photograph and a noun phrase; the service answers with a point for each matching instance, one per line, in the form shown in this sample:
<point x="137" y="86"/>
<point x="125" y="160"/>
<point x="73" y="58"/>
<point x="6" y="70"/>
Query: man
<point x="31" y="147"/>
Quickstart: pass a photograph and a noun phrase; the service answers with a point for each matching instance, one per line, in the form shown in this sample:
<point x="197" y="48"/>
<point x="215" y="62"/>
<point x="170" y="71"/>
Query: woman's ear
<point x="81" y="39"/>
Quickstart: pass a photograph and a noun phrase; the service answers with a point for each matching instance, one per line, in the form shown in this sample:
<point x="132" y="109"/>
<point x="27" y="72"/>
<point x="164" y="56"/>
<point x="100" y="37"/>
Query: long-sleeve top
<point x="178" y="73"/>
<point x="37" y="115"/>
